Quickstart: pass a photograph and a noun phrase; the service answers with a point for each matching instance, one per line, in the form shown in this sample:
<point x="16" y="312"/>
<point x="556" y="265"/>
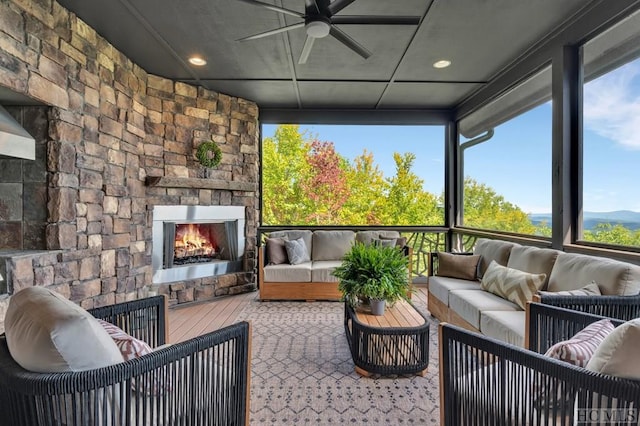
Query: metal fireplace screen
<point x="190" y="243"/>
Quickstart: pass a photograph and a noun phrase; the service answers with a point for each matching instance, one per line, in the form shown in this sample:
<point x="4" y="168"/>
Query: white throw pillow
<point x="297" y="251"/>
<point x="617" y="355"/>
<point x="47" y="333"/>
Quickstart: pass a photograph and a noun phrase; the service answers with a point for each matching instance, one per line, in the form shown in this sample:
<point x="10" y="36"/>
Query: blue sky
<point x="516" y="162"/>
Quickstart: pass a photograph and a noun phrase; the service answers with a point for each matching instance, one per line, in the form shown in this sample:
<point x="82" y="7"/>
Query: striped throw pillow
<point x="129" y="346"/>
<point x="512" y="284"/>
<point x="580" y="348"/>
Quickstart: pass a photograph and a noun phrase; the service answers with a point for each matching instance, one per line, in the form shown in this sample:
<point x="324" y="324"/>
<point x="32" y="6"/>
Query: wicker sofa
<point x="485" y="381"/>
<point x="313" y="280"/>
<point x="202" y="381"/>
<point x="464" y="302"/>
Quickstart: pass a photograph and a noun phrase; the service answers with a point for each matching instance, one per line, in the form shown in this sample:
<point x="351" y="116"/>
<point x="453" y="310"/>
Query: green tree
<point x="407" y="202"/>
<point x="284" y="168"/>
<point x="485" y="209"/>
<point x="368" y="187"/>
<point x="613" y="234"/>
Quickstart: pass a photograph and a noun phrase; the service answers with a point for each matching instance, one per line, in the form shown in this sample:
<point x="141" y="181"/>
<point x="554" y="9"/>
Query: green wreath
<point x="209" y="154"/>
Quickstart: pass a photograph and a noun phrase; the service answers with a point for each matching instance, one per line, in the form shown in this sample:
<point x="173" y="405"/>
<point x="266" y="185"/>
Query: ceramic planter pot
<point x="377" y="306"/>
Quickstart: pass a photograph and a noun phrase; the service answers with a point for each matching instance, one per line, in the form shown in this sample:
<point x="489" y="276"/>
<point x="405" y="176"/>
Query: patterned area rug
<point x="302" y="372"/>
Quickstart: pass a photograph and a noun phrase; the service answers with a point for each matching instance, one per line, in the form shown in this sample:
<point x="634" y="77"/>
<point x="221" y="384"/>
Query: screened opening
<point x="505" y="161"/>
<point x="611" y="136"/>
<point x="352" y="175"/>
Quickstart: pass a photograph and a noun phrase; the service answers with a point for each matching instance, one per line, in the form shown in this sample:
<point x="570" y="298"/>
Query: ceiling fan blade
<point x="343" y="38"/>
<point x="375" y="20"/>
<point x="337" y="5"/>
<point x="306" y="49"/>
<point x="274" y="8"/>
<point x="313" y="5"/>
<point x="272" y="32"/>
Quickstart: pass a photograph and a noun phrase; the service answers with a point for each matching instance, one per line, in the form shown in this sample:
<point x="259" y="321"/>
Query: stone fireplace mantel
<point x="197" y="183"/>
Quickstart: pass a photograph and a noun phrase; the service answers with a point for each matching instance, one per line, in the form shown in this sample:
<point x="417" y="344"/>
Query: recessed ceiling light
<point x="443" y="63"/>
<point x="197" y="61"/>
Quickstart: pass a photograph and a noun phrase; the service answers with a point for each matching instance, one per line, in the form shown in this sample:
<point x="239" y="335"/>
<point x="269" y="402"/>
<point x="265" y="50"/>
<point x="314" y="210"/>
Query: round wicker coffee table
<point x="394" y="343"/>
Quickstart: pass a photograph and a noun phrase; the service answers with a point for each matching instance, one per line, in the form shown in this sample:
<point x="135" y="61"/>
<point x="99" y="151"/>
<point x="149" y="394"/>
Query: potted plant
<point x="373" y="272"/>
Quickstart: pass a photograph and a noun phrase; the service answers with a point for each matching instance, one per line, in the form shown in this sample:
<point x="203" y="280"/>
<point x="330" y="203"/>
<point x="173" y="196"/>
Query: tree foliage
<point x="306" y="182"/>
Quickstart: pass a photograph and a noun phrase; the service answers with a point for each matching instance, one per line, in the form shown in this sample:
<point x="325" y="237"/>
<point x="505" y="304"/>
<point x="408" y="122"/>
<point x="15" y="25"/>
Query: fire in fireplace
<point x="194" y="243"/>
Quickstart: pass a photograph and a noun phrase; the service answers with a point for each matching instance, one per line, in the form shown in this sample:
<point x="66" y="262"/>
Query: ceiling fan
<point x="320" y="20"/>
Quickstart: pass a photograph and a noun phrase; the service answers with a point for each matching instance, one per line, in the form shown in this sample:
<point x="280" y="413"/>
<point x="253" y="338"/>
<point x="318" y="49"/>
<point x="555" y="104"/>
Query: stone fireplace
<point x="119" y="142"/>
<point x="197" y="241"/>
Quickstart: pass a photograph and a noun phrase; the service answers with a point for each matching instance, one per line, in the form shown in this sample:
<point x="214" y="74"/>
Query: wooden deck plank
<point x="191" y="321"/>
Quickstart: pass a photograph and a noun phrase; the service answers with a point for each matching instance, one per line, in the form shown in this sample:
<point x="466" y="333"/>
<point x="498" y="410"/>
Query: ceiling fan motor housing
<point x="318" y="27"/>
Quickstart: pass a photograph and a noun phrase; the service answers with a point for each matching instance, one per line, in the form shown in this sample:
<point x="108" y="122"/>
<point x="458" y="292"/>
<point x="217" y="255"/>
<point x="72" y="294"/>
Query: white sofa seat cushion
<point x="439" y="287"/>
<point x="572" y="271"/>
<point x="508" y="326"/>
<point x="331" y="245"/>
<point x="322" y="271"/>
<point x="300" y="273"/>
<point x="47" y="333"/>
<point x="468" y="304"/>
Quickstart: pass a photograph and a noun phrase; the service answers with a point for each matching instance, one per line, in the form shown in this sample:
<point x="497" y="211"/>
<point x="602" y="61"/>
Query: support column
<point x="566" y="154"/>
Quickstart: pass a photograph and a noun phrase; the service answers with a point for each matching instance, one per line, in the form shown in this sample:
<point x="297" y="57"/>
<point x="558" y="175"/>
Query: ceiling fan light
<point x="317" y="29"/>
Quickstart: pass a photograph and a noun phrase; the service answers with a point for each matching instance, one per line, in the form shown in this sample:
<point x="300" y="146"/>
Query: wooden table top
<point x="401" y="315"/>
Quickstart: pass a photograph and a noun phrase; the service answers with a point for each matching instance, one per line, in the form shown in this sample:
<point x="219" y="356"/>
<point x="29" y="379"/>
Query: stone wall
<point x="23" y="186"/>
<point x="110" y="126"/>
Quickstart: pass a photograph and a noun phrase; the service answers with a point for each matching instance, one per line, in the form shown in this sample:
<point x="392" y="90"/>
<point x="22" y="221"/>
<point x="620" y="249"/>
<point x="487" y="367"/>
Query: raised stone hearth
<point x="114" y="130"/>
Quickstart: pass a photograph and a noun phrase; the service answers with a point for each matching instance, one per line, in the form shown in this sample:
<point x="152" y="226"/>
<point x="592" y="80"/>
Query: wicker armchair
<point x="203" y="381"/>
<point x="620" y="307"/>
<point x="488" y="382"/>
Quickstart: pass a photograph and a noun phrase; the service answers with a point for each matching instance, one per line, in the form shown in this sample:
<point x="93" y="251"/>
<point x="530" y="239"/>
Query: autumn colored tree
<point x="325" y="184"/>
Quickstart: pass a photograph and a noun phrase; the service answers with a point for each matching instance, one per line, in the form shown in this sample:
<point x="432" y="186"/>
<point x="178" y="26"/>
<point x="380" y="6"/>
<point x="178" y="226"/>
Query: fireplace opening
<point x="203" y="242"/>
<point x="192" y="242"/>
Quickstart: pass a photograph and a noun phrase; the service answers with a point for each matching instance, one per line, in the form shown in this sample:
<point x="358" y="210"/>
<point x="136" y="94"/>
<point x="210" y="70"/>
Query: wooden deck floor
<point x="186" y="322"/>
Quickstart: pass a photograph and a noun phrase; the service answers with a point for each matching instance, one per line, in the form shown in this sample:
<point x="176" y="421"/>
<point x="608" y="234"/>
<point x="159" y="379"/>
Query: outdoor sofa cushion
<point x="286" y="273"/>
<point x="617" y="355"/>
<point x="490" y="250"/>
<point x="533" y="260"/>
<point x="294" y="234"/>
<point x="572" y="271"/>
<point x="322" y="271"/>
<point x="508" y="326"/>
<point x="47" y="333"/>
<point x="441" y="286"/>
<point x="468" y="304"/>
<point x="367" y="237"/>
<point x="331" y="245"/>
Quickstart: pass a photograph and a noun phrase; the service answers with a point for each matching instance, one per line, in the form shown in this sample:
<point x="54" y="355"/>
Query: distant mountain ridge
<point x="627" y="218"/>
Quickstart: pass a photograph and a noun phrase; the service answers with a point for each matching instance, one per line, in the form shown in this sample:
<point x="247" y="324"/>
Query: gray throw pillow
<point x="384" y="242"/>
<point x="297" y="251"/>
<point x="276" y="251"/>
<point x="398" y="241"/>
